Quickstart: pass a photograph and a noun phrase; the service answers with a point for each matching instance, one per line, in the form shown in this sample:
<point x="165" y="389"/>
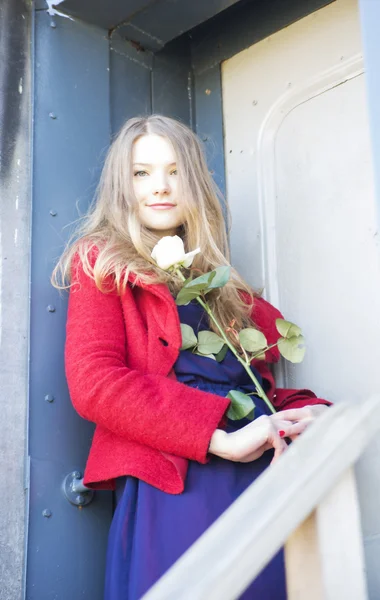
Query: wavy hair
<point x="124" y="244"/>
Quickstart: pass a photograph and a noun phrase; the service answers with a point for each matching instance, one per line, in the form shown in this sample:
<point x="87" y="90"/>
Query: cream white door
<point x="300" y="189"/>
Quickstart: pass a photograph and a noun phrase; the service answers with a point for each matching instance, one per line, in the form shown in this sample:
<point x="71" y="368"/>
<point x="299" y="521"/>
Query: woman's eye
<point x="140" y="173"/>
<point x="175" y="172"/>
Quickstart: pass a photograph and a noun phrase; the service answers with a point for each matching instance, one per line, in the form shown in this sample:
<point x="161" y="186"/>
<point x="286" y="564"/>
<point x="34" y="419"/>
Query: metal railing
<point x="307" y="501"/>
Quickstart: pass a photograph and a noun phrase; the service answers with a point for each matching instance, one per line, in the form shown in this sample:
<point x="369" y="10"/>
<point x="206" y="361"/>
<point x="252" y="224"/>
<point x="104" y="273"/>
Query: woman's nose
<point x="161" y="185"/>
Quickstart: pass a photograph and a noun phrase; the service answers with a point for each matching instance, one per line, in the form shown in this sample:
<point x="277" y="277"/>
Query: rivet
<point x="49" y="398"/>
<point x="254" y="102"/>
<point x="208" y="92"/>
<point x="52" y="115"/>
<point x="53" y="24"/>
<point x="80" y="500"/>
<point x="53" y="212"/>
<point x="47" y="513"/>
<point x="51" y="308"/>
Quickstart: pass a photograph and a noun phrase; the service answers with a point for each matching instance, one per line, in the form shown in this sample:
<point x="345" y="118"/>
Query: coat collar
<point x="165" y="319"/>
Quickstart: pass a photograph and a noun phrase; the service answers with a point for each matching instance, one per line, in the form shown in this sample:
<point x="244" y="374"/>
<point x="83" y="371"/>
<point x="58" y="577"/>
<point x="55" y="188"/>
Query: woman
<point x="162" y="438"/>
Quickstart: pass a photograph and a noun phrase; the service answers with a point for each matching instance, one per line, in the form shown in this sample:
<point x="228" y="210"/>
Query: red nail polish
<point x="281" y="433"/>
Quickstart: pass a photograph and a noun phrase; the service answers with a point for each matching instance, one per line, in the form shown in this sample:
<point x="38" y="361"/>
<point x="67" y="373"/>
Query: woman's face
<point x="155" y="184"/>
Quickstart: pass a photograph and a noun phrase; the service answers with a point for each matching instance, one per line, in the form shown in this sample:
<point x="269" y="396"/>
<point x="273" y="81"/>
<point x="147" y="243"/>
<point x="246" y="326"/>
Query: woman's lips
<point x="164" y="206"/>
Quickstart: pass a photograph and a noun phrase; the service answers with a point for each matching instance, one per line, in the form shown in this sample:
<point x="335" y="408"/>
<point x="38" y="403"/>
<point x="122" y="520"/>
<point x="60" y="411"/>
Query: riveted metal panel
<point x="209" y="120"/>
<point x="172" y="84"/>
<point x="152" y="24"/>
<point x="162" y="21"/>
<point x="130" y="82"/>
<point x="71" y="135"/>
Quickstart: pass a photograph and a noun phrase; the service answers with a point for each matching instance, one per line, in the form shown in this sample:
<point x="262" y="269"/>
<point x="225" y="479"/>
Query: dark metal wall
<point x="66" y="549"/>
<point x="86" y="85"/>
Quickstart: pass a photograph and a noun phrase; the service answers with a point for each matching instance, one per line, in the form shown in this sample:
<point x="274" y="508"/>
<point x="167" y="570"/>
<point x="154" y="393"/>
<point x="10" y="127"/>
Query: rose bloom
<point x="170" y="252"/>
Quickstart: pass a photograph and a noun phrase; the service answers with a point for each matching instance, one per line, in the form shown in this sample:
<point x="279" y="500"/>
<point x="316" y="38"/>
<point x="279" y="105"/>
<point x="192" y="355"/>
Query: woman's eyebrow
<point x="149" y="164"/>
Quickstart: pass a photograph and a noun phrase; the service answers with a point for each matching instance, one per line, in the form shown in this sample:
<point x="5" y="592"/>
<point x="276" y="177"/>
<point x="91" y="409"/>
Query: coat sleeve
<point x="154" y="410"/>
<point x="264" y="316"/>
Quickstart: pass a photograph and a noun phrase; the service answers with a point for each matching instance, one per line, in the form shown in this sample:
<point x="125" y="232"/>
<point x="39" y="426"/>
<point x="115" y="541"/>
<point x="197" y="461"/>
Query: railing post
<point x="302" y="562"/>
<point x="325" y="556"/>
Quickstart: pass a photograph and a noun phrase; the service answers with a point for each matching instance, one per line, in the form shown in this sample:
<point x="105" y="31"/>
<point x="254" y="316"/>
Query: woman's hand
<point x="250" y="442"/>
<point x="266" y="432"/>
<point x="300" y="417"/>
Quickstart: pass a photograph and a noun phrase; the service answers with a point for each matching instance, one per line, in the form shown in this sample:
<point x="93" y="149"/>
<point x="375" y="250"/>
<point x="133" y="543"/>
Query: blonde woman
<point x="163" y="440"/>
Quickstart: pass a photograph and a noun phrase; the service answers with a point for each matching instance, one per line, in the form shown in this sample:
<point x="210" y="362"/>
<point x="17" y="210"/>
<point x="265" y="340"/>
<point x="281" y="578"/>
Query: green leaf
<point x="186" y="295"/>
<point x="188" y="280"/>
<point x="221" y="355"/>
<point x="250" y="416"/>
<point x="209" y="342"/>
<point x="212" y="280"/>
<point x="204" y="355"/>
<point x="222" y="275"/>
<point x="252" y="339"/>
<point x="193" y="288"/>
<point x="289" y="348"/>
<point x="287" y="329"/>
<point x="241" y="406"/>
<point x="202" y="282"/>
<point x="189" y="339"/>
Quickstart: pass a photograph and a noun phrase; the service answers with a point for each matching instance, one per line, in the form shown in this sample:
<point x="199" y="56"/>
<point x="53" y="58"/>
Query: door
<point x="300" y="187"/>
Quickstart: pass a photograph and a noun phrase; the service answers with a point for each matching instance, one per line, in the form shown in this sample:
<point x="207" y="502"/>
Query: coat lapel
<point x="166" y="330"/>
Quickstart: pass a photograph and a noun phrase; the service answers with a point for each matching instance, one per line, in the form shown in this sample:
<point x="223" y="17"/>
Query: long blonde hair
<point x="124" y="245"/>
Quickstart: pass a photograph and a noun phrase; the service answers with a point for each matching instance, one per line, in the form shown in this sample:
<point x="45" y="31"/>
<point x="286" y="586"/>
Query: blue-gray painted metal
<point x="209" y="121"/>
<point x="152" y="24"/>
<point x="75" y="491"/>
<point x="162" y="21"/>
<point x="40" y="4"/>
<point x="106" y="14"/>
<point x="370" y="19"/>
<point x="72" y="83"/>
<point x="172" y="83"/>
<point x="130" y="82"/>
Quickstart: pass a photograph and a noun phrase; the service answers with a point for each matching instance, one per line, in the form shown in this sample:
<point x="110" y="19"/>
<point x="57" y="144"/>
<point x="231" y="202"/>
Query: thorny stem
<point x="245" y="364"/>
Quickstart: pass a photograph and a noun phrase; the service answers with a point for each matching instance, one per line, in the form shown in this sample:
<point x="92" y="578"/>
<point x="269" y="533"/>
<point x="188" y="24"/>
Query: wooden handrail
<point x="231" y="553"/>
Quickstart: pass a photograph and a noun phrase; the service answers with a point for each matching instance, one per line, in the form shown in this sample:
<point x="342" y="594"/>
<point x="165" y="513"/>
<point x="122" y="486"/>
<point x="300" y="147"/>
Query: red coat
<point x="119" y="358"/>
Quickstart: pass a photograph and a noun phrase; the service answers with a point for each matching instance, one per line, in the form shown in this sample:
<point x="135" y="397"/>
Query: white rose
<point x="170" y="252"/>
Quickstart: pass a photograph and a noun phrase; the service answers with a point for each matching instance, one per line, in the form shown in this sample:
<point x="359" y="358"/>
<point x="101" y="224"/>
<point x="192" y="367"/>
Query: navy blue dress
<point x="151" y="529"/>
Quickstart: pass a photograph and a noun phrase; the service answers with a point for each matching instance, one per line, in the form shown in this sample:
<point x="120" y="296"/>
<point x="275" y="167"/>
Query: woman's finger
<point x="297" y="428"/>
<point x="279" y="445"/>
<point x="292" y="414"/>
